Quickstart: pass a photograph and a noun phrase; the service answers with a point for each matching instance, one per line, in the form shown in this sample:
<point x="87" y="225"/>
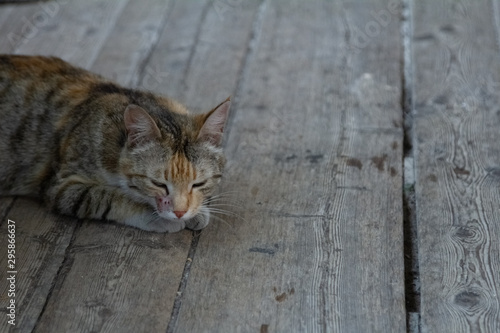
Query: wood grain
<point x="116" y="279"/>
<point x="216" y="60"/>
<point x="315" y="163"/>
<point x="314" y="150"/>
<point x="457" y="72"/>
<point x="130" y="43"/>
<point x="74" y="30"/>
<point x="175" y="47"/>
<point x="41" y="242"/>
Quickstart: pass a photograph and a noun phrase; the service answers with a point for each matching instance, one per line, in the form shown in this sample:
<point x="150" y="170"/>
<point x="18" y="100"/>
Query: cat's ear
<point x="140" y="126"/>
<point x="214" y="123"/>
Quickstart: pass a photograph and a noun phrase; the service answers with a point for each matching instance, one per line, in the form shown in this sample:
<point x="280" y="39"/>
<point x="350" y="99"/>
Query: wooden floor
<point x="364" y="155"/>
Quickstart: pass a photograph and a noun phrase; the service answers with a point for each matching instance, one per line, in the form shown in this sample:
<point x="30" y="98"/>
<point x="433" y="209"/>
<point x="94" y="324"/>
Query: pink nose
<point x="179" y="213"/>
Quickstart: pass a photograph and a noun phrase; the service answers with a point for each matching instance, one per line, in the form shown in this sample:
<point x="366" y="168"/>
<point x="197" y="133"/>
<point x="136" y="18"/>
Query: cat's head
<point x="173" y="161"/>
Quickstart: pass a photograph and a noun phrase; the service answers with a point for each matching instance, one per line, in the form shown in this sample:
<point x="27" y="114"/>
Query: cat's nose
<point x="163" y="203"/>
<point x="179" y="213"/>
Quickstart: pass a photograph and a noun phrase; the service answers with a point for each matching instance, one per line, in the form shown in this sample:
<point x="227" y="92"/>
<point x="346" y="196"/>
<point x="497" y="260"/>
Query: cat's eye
<point x="200" y="184"/>
<point x="157" y="184"/>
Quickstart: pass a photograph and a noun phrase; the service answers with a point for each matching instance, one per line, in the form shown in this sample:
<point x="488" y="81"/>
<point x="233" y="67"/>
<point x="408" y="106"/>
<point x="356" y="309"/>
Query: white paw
<point x="163" y="225"/>
<point x="157" y="224"/>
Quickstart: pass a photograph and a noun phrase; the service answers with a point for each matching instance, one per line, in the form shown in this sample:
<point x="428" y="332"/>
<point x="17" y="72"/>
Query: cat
<point x="91" y="149"/>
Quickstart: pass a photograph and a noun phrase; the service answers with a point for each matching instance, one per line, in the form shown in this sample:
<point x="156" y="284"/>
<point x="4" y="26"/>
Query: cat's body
<point x="90" y="148"/>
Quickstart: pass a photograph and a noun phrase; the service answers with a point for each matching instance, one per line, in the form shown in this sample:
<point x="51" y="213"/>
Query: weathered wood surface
<point x="101" y="281"/>
<point x="457" y="76"/>
<point x="41" y="242"/>
<point x="129" y="44"/>
<point x="170" y="60"/>
<point x="315" y="154"/>
<point x="16" y="26"/>
<point x="73" y="29"/>
<point x="315" y="161"/>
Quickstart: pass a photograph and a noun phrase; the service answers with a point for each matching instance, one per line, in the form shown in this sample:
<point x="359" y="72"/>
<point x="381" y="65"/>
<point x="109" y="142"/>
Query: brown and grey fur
<point x="90" y="148"/>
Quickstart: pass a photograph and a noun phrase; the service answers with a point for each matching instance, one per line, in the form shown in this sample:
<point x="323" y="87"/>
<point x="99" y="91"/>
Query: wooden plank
<point x="116" y="279"/>
<point x="75" y="31"/>
<point x="457" y="73"/>
<point x="41" y="242"/>
<point x="170" y="60"/>
<point x="223" y="47"/>
<point x="5" y="13"/>
<point x="129" y="44"/>
<point x="315" y="161"/>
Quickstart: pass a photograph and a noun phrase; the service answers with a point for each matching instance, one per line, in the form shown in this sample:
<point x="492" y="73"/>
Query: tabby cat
<point x="90" y="148"/>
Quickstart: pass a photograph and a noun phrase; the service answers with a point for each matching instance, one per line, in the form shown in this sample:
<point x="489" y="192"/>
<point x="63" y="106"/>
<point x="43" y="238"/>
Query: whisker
<point x="224" y="205"/>
<point x="230" y="191"/>
<point x="228" y="199"/>
<point x="218" y="218"/>
<point x="214" y="208"/>
<point x="225" y="213"/>
<point x="217" y="209"/>
<point x="230" y="196"/>
<point x="227" y="193"/>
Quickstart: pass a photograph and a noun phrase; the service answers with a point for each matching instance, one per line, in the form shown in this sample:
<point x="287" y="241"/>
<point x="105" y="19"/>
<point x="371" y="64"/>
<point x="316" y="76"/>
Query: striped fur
<point x="93" y="149"/>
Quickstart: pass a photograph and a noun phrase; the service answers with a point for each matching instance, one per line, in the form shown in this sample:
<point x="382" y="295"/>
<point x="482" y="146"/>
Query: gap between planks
<point x="184" y="280"/>
<point x="412" y="279"/>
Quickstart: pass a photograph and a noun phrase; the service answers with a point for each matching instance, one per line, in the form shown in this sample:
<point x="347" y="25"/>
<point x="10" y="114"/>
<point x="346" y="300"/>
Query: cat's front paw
<point x="198" y="222"/>
<point x="164" y="225"/>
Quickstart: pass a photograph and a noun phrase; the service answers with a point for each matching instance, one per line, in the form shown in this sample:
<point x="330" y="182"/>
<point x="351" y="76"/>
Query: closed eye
<point x="200" y="184"/>
<point x="158" y="184"/>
